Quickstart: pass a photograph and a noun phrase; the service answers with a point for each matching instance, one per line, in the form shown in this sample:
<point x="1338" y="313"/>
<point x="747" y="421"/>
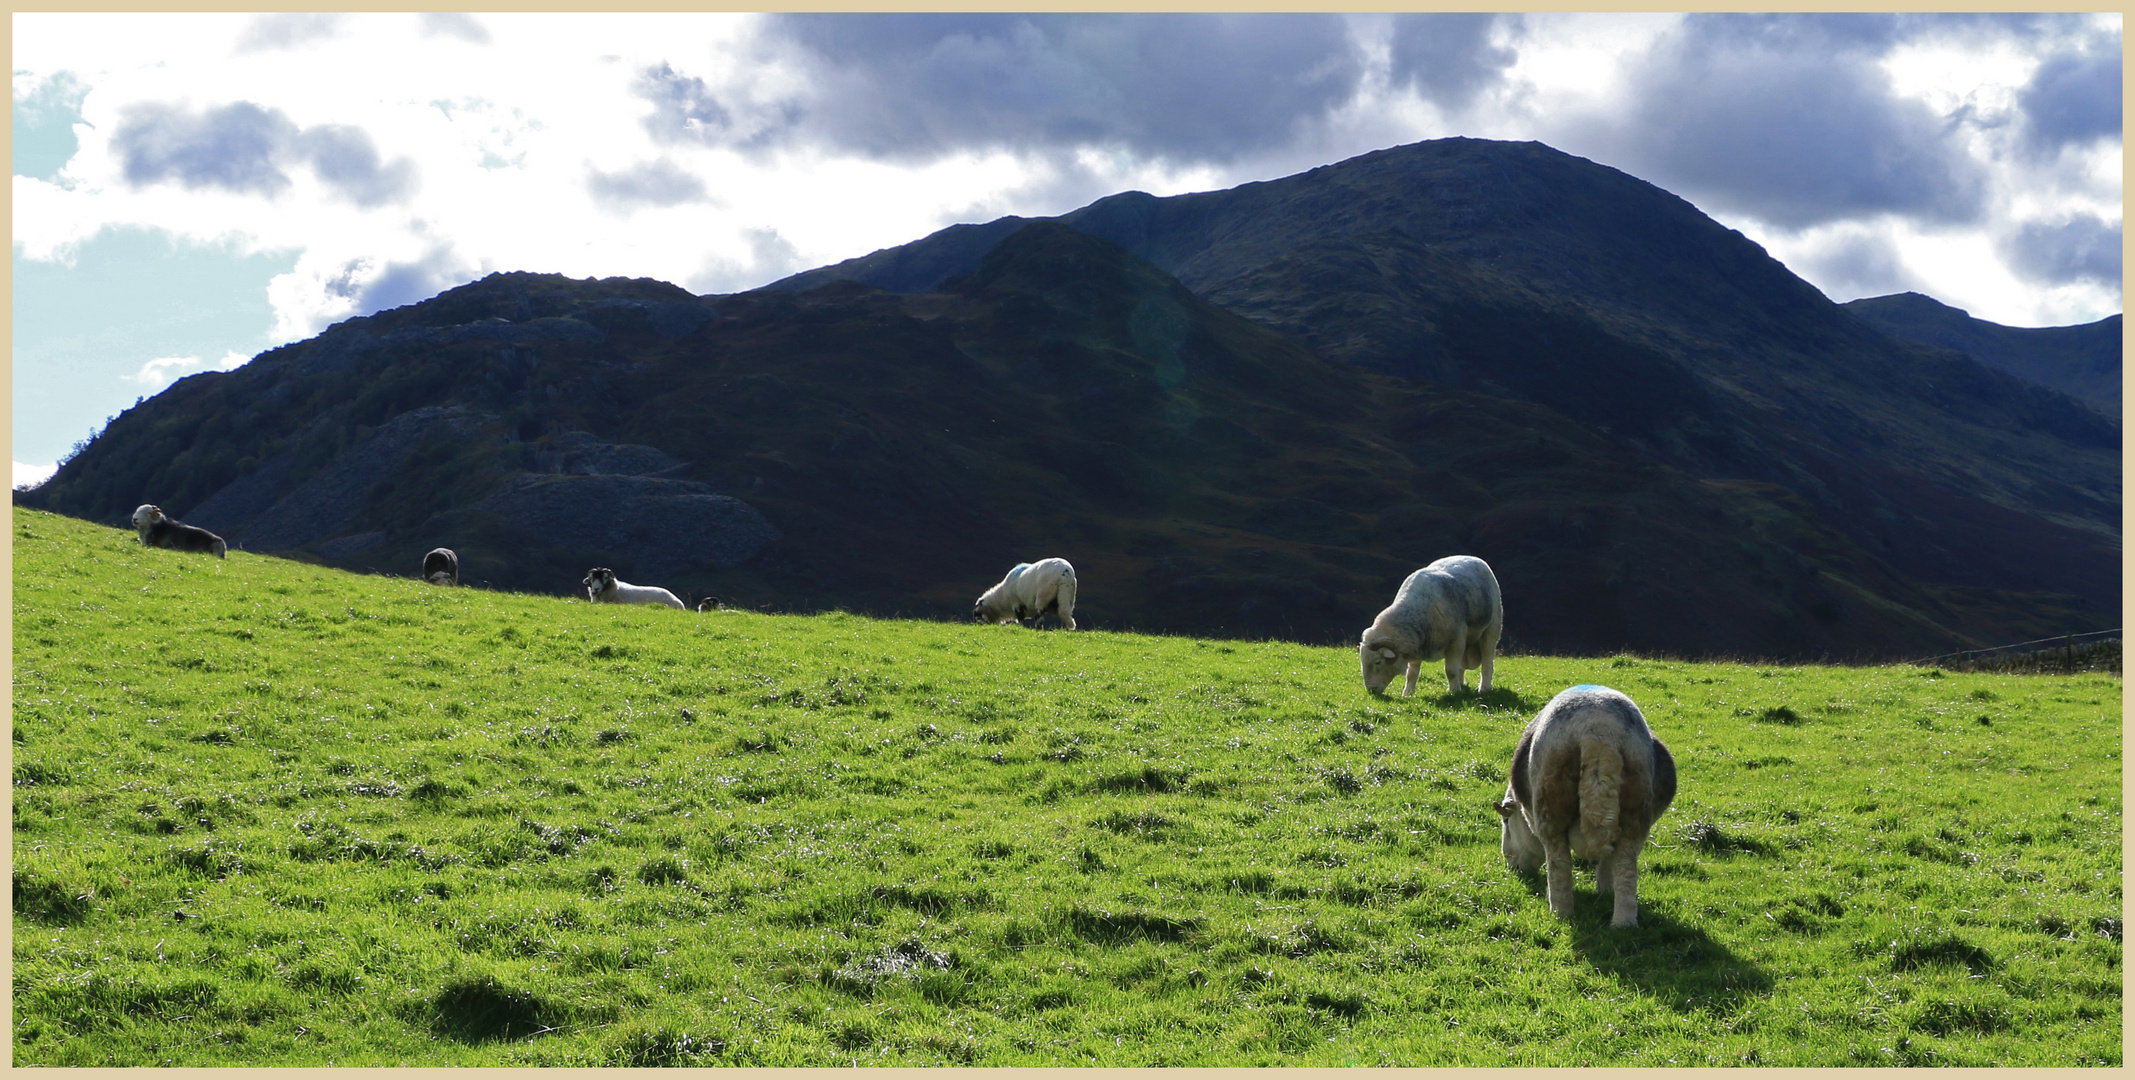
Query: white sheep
<point x="159" y="529"/>
<point x="602" y="587"/>
<point x="1450" y="608"/>
<point x="1028" y="592"/>
<point x="1589" y="779"/>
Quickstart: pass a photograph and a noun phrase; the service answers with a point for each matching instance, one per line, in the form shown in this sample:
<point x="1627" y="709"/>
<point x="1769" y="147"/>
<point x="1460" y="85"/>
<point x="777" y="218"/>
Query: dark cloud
<point x="407" y="283"/>
<point x="287" y="31"/>
<point x="916" y="86"/>
<point x="651" y="183"/>
<point x="344" y="157"/>
<point x="243" y="147"/>
<point x="454" y="24"/>
<point x="1791" y="121"/>
<point x="1447" y="58"/>
<point x="684" y="110"/>
<point x="1819" y="32"/>
<point x="236" y="146"/>
<point x="1856" y="267"/>
<point x="2074" y="98"/>
<point x="2086" y="248"/>
<point x="1867" y="33"/>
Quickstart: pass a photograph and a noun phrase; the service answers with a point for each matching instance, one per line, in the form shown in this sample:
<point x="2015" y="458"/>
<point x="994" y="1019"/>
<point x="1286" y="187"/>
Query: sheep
<point x="441" y="567"/>
<point x="1588" y="778"/>
<point x="709" y="603"/>
<point x="603" y="588"/>
<point x="1450" y="608"/>
<point x="159" y="529"/>
<point x="1028" y="592"/>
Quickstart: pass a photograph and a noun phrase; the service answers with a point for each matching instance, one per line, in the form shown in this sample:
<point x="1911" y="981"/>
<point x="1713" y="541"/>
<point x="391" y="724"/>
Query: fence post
<point x="2069" y="644"/>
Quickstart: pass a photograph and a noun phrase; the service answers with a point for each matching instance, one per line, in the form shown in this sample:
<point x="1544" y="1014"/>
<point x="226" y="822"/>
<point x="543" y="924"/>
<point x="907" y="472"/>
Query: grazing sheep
<point x="159" y="529"/>
<point x="1450" y="608"/>
<point x="709" y="603"/>
<point x="1028" y="592"/>
<point x="441" y="567"/>
<point x="1589" y="778"/>
<point x="603" y="588"/>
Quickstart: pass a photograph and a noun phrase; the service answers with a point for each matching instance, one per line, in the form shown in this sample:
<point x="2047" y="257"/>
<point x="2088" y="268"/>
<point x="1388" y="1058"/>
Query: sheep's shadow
<point x="1469" y="699"/>
<point x="1678" y="963"/>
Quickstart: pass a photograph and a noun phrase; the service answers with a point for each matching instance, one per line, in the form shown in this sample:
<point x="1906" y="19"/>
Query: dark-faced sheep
<point x="1589" y="779"/>
<point x="441" y="567"/>
<point x="1028" y="592"/>
<point x="709" y="603"/>
<point x="602" y="587"/>
<point x="159" y="529"/>
<point x="1450" y="608"/>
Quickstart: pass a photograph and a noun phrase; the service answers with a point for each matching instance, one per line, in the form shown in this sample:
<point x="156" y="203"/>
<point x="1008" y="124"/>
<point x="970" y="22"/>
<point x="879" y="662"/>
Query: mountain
<point x="1660" y="439"/>
<point x="1521" y="272"/>
<point x="2080" y="361"/>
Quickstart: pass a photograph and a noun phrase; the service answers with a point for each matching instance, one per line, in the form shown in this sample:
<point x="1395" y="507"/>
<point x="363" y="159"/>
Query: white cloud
<point x="165" y="370"/>
<point x="33" y="475"/>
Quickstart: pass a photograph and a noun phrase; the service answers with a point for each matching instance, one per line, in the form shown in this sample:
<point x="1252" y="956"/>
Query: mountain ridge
<point x="2082" y="361"/>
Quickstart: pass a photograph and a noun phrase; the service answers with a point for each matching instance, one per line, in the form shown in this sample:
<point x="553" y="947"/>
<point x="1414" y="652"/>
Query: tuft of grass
<point x="390" y="823"/>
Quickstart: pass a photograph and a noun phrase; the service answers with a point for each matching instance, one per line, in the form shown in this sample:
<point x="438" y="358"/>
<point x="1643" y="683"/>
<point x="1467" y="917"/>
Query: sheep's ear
<point x="1385" y="652"/>
<point x="1505" y="809"/>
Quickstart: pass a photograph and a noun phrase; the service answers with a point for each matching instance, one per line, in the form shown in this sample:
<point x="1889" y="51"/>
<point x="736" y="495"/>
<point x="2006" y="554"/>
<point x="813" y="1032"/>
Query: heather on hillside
<point x="267" y="813"/>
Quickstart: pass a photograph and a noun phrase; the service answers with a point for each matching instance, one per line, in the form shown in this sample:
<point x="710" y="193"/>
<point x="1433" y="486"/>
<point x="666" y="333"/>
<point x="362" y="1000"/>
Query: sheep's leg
<point x="1557" y="864"/>
<point x="1489" y="662"/>
<point x="1605" y="874"/>
<point x="1626" y="867"/>
<point x="1415" y="666"/>
<point x="1454" y="672"/>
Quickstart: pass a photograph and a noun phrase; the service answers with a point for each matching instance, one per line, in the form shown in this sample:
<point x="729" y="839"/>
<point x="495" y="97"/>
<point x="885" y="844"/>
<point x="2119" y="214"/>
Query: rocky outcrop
<point x="659" y="527"/>
<point x="331" y="501"/>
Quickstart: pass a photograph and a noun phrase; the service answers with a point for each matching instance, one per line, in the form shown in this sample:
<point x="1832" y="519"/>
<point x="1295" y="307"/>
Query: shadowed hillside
<point x="2080" y="361"/>
<point x="1517" y="271"/>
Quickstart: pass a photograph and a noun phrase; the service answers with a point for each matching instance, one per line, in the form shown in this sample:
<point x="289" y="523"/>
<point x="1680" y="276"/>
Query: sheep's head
<point x="146" y="515"/>
<point x="1522" y="848"/>
<point x="598" y="580"/>
<point x="1380" y="662"/>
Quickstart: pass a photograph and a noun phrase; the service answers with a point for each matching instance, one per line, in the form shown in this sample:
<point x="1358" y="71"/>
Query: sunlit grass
<point x="267" y="813"/>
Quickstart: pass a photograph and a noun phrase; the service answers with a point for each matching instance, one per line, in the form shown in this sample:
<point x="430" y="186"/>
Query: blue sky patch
<point x="84" y="333"/>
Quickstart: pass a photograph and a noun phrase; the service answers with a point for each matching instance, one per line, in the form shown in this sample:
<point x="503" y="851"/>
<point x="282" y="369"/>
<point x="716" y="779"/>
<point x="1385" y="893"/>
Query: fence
<point x="2089" y="651"/>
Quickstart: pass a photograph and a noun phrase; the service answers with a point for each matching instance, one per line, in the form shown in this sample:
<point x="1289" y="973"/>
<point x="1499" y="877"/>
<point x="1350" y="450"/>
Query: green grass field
<point x="270" y="814"/>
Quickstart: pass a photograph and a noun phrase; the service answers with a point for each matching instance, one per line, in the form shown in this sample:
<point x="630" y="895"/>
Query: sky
<point x="191" y="190"/>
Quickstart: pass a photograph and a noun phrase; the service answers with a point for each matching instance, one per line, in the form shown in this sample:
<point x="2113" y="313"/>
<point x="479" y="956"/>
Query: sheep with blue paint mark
<point x="1589" y="778"/>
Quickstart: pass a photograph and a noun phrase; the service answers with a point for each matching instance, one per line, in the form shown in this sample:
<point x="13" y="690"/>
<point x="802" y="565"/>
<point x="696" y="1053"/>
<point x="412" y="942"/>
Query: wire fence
<point x="2088" y="650"/>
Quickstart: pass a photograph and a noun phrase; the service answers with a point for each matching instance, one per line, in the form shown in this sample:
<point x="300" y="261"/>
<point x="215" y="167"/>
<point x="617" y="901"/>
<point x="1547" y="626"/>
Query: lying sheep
<point x="1450" y="608"/>
<point x="441" y="567"/>
<point x="1589" y="779"/>
<point x="603" y="588"/>
<point x="159" y="529"/>
<point x="1028" y="592"/>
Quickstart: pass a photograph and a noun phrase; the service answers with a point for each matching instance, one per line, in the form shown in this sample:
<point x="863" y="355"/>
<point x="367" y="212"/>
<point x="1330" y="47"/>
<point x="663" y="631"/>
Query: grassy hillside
<point x="269" y="813"/>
